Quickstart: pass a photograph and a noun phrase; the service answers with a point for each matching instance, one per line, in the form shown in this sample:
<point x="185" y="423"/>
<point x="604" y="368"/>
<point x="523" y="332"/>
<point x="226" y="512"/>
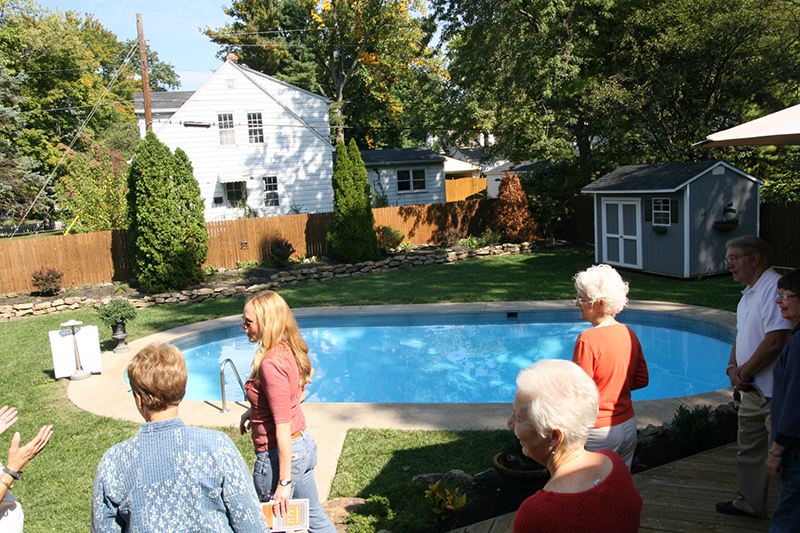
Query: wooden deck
<point x="679" y="496"/>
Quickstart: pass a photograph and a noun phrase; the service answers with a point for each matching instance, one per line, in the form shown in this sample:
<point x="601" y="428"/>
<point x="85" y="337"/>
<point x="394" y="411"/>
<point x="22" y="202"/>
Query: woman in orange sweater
<point x="610" y="353"/>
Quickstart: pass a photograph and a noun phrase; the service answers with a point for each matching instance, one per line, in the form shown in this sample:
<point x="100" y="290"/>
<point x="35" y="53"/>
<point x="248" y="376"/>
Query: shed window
<point x="255" y="128"/>
<point x="411" y="180"/>
<point x="225" y="124"/>
<point x="271" y="191"/>
<point x="661" y="212"/>
<point x="235" y="192"/>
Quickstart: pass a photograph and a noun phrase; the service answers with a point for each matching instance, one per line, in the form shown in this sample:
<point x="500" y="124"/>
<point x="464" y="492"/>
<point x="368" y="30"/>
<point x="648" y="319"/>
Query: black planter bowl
<point x="520" y="472"/>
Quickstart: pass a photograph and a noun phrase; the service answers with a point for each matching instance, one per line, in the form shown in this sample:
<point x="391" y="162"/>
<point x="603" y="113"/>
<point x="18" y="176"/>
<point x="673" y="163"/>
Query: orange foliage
<point x="512" y="214"/>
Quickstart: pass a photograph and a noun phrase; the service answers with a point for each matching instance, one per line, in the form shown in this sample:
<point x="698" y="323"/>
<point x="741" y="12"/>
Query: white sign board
<point x="62" y="346"/>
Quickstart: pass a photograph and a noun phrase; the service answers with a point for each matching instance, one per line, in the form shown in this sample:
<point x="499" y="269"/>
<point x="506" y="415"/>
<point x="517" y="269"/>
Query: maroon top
<point x="274" y="395"/>
<point x="614" y="504"/>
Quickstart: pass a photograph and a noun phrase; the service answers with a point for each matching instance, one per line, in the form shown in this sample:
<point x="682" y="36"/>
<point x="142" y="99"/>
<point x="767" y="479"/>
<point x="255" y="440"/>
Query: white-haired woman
<point x="554" y="410"/>
<point x="610" y="354"/>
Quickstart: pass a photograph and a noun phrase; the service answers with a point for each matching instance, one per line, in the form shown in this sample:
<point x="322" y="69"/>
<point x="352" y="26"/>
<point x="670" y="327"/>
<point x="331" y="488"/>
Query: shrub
<point x="470" y="241"/>
<point x="489" y="237"/>
<point x="449" y="237"/>
<point x="116" y="310"/>
<point x="388" y="237"/>
<point x="280" y="250"/>
<point x="47" y="281"/>
<point x="512" y="215"/>
<point x="406" y="246"/>
<point x="351" y="235"/>
<point x="250" y="263"/>
<point x="692" y="428"/>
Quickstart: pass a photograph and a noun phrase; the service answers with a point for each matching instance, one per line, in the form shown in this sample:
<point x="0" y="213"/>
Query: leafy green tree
<point x="167" y="247"/>
<point x="92" y="187"/>
<point x="191" y="207"/>
<point x="370" y="57"/>
<point x="19" y="181"/>
<point x="603" y="83"/>
<point x="351" y="234"/>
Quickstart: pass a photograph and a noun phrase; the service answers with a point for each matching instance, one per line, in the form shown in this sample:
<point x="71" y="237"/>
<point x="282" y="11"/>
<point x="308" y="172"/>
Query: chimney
<point x="232" y="57"/>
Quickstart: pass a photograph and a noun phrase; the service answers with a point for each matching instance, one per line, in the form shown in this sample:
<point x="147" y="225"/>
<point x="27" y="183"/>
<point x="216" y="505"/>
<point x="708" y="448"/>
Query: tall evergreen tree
<point x="162" y="219"/>
<point x="190" y="206"/>
<point x="351" y="234"/>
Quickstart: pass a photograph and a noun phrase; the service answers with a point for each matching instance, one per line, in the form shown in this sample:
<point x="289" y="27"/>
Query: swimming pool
<point x="461" y="357"/>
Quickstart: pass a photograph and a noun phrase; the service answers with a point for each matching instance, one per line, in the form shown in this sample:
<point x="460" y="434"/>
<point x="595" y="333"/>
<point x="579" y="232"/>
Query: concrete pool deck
<point x="108" y="395"/>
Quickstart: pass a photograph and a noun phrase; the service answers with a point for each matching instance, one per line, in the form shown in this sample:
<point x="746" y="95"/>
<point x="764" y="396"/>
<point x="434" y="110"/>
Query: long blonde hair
<point x="279" y="326"/>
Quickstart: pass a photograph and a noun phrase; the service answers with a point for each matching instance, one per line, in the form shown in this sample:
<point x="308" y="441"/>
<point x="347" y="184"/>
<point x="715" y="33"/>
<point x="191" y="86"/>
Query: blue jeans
<point x="787" y="513"/>
<point x="304" y="459"/>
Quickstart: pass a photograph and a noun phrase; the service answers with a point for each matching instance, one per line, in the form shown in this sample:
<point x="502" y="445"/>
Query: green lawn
<point x="55" y="491"/>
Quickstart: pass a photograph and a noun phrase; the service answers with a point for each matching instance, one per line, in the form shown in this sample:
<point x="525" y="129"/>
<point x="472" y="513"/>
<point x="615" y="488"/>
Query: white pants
<point x="620" y="439"/>
<point x="11" y="516"/>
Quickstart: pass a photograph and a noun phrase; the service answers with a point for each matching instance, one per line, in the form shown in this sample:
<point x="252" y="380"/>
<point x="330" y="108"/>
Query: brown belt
<point x="294" y="436"/>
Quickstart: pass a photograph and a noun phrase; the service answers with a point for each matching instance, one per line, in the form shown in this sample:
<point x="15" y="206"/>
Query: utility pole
<point x="148" y="112"/>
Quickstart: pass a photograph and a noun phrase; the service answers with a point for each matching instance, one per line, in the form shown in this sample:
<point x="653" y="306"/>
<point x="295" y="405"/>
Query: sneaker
<point x="730" y="509"/>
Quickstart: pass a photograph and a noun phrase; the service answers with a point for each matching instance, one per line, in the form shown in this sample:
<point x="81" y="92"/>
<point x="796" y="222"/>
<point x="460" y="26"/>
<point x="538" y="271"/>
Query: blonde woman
<point x="286" y="454"/>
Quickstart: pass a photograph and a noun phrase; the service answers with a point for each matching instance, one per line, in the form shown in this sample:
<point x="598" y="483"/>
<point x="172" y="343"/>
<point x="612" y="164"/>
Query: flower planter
<point x="726" y="224"/>
<point x="120" y="335"/>
<point x="520" y="472"/>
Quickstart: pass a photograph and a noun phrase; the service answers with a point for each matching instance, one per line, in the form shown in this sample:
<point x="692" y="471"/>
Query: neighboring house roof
<point x="452" y="164"/>
<point x="474" y="155"/>
<point x="400" y="156"/>
<point x="669" y="177"/>
<point x="522" y="166"/>
<point x="161" y="102"/>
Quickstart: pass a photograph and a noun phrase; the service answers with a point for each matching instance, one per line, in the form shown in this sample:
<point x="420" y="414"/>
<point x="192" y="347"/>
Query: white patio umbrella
<point x="782" y="127"/>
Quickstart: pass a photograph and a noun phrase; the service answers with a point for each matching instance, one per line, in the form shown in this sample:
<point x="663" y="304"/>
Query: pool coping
<point x="107" y="394"/>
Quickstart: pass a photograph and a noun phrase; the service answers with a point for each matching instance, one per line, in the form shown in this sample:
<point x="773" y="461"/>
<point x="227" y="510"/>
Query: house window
<point x="661" y="211"/>
<point x="225" y="123"/>
<point x="411" y="180"/>
<point x="235" y="192"/>
<point x="255" y="128"/>
<point x="271" y="191"/>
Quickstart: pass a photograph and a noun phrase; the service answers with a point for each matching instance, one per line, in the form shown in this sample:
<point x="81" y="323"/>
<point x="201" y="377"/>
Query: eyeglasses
<point x="784" y="296"/>
<point x="733" y="258"/>
<point x="246" y="323"/>
<point x="579" y="300"/>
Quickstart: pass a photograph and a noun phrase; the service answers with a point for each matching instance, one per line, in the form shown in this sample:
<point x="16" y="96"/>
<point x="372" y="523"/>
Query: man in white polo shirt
<point x="761" y="334"/>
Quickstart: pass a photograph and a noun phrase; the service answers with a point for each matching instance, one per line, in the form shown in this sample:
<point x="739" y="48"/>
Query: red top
<point x="613" y="504"/>
<point x="274" y="395"/>
<point x="612" y="357"/>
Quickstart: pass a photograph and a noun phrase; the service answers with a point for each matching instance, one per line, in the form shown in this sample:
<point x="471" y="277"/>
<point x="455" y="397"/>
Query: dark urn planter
<point x="120" y="335"/>
<point x="520" y="471"/>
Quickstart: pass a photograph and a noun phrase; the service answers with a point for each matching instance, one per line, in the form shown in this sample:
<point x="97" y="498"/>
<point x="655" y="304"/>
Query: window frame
<point x="229" y="187"/>
<point x="412" y="180"/>
<point x="255" y="127"/>
<point x="661" y="209"/>
<point x="226" y="129"/>
<point x="271" y="192"/>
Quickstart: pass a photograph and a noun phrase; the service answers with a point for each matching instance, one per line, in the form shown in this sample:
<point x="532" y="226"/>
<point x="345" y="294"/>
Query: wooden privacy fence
<point x="85" y="259"/>
<point x="93" y="258"/>
<point x="462" y="188"/>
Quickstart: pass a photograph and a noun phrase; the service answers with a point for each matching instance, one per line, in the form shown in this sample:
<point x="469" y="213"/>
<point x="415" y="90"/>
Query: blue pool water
<point x="464" y="357"/>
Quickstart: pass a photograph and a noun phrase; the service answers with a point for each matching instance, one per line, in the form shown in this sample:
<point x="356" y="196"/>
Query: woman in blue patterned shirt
<point x="172" y="477"/>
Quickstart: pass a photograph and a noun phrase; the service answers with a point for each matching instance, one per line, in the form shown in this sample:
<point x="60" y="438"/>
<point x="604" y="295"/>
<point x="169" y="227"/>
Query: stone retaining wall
<point x="419" y="257"/>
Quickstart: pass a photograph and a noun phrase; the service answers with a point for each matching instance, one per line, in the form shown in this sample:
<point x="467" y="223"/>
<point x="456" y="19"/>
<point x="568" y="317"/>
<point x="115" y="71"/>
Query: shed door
<point x="621" y="233"/>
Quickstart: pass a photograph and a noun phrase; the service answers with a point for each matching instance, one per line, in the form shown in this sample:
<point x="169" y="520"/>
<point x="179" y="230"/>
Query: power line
<point x="73" y="107"/>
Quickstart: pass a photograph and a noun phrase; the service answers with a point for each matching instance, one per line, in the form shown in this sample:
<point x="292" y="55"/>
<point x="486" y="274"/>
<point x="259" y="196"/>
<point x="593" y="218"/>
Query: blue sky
<point x="171" y="28"/>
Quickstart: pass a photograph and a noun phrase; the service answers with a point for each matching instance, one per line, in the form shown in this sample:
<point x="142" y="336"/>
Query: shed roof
<point x="161" y="101"/>
<point x="669" y="177"/>
<point x="400" y="156"/>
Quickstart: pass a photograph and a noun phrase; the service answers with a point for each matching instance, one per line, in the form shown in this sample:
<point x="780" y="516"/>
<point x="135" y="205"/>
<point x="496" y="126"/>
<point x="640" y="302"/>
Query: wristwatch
<point x="284" y="482"/>
<point x="12" y="473"/>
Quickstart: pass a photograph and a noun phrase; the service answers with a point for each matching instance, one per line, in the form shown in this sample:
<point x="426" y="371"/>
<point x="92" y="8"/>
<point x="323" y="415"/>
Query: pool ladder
<point x="222" y="382"/>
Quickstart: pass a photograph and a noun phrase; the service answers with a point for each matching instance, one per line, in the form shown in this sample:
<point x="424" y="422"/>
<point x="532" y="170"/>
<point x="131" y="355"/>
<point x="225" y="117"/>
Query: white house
<point x="406" y="176"/>
<point x="251" y="138"/>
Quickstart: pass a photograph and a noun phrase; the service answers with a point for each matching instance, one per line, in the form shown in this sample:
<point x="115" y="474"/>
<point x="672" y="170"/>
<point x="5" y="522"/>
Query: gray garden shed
<point x="674" y="218"/>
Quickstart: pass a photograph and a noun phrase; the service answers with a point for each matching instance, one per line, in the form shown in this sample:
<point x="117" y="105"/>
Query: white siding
<point x="434" y="192"/>
<point x="301" y="160"/>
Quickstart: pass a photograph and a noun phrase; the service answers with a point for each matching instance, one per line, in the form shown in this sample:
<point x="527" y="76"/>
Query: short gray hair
<point x="750" y="244"/>
<point x="602" y="282"/>
<point x="562" y="396"/>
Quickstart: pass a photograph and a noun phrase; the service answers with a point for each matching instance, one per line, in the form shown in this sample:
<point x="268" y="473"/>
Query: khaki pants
<point x="752" y="479"/>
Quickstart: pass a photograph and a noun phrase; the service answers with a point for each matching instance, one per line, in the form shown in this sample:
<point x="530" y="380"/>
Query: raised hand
<point x="19" y="457"/>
